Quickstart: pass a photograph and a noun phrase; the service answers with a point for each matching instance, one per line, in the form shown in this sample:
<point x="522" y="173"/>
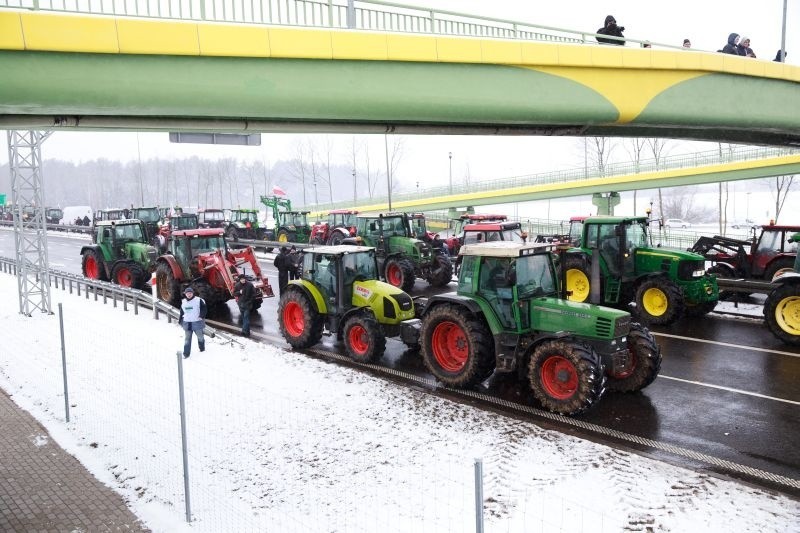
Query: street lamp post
<point x="450" y="155"/>
<point x="747" y="209"/>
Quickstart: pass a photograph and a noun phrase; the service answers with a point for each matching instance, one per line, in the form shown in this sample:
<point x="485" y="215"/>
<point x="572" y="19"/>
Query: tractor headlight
<point x="698" y="273"/>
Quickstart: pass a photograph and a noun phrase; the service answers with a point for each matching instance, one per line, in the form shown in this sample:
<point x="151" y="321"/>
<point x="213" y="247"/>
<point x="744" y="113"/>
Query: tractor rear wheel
<point x="336" y="238"/>
<point x="782" y="313"/>
<point x="300" y="323"/>
<point x="128" y="274"/>
<point x="644" y="366"/>
<point x="566" y="376"/>
<point x="441" y="272"/>
<point x="578" y="278"/>
<point x="400" y="273"/>
<point x="168" y="288"/>
<point x="457" y="348"/>
<point x="363" y="338"/>
<point x="92" y="265"/>
<point x="659" y="301"/>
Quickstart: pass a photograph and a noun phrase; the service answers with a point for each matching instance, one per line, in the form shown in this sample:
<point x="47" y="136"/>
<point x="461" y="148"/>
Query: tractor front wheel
<point x="441" y="272"/>
<point x="364" y="339"/>
<point x="128" y="274"/>
<point x="659" y="301"/>
<point x="778" y="268"/>
<point x="457" y="348"/>
<point x="400" y="273"/>
<point x="168" y="288"/>
<point x="299" y="322"/>
<point x="566" y="376"/>
<point x="92" y="265"/>
<point x="286" y="236"/>
<point x="578" y="278"/>
<point x="644" y="365"/>
<point x="782" y="313"/>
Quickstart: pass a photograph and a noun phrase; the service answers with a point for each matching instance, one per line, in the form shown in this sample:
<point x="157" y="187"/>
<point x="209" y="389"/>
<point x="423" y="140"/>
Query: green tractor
<point x="290" y="226"/>
<point x="401" y="257"/>
<point x="339" y="292"/>
<point x="508" y="316"/>
<point x="665" y="284"/>
<point x="151" y="217"/>
<point x="243" y="224"/>
<point x="120" y="252"/>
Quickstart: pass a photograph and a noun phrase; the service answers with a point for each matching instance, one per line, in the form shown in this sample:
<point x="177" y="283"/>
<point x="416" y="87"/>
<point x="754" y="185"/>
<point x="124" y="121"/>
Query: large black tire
<point x="441" y="272"/>
<point x="167" y="287"/>
<point x="457" y="348"/>
<point x="128" y="274"/>
<point x="659" y="301"/>
<point x="778" y="267"/>
<point x="213" y="297"/>
<point x="300" y="323"/>
<point x="645" y="362"/>
<point x="92" y="265"/>
<point x="566" y="376"/>
<point x="721" y="270"/>
<point x="232" y="234"/>
<point x="782" y="313"/>
<point x="578" y="277"/>
<point x="364" y="338"/>
<point x="316" y="240"/>
<point x="400" y="273"/>
<point x="336" y="238"/>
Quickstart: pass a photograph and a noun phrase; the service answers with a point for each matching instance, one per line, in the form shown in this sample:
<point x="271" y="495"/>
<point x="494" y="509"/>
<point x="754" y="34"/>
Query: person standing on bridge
<point x="733" y="45"/>
<point x="778" y="56"/>
<point x="610" y="28"/>
<point x="744" y="48"/>
<point x="283" y="264"/>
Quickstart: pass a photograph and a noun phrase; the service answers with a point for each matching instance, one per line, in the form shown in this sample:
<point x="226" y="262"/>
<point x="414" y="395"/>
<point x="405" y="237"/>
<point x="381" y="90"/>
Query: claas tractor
<point x="290" y="226"/>
<point x="616" y="265"/>
<point x="508" y="315"/>
<point x="201" y="258"/>
<point x="339" y="292"/>
<point x="401" y="256"/>
<point x="120" y="252"/>
<point x="341" y="224"/>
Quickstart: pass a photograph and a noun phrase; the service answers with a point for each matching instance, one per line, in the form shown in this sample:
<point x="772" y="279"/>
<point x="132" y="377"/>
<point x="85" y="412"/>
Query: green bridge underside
<point x="45" y="90"/>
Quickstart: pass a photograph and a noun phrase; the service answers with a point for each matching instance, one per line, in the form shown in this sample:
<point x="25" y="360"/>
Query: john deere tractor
<point x="290" y="226"/>
<point x="120" y="252"/>
<point x="665" y="284"/>
<point x="401" y="257"/>
<point x="243" y="224"/>
<point x="508" y="315"/>
<point x="339" y="292"/>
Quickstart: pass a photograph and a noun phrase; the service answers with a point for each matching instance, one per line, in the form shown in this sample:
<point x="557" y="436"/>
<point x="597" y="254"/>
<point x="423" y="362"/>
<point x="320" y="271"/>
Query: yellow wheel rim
<point x="655" y="302"/>
<point x="283" y="238"/>
<point x="787" y="315"/>
<point x="578" y="283"/>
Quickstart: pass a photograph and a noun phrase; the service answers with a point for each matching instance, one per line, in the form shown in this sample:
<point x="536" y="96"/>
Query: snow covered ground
<point x="280" y="441"/>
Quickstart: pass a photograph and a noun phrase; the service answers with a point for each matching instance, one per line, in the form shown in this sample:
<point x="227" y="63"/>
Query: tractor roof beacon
<point x="616" y="264"/>
<point x="338" y="291"/>
<point x="508" y="316"/>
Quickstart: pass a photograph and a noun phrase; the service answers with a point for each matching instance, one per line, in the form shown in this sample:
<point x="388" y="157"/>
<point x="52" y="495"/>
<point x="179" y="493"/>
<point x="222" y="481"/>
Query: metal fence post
<point x="479" y="495"/>
<point x="63" y="360"/>
<point x="184" y="446"/>
<point x="154" y="290"/>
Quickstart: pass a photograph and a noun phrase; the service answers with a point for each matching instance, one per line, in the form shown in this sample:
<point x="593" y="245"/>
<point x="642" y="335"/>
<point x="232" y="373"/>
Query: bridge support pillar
<point x="30" y="229"/>
<point x="605" y="203"/>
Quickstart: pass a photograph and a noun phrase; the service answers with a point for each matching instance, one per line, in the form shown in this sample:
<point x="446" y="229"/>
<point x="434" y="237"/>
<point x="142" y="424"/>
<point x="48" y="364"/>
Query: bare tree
<point x="372" y="181"/>
<point x="327" y="151"/>
<point x="657" y="147"/>
<point x="779" y="188"/>
<point x="298" y="168"/>
<point x="680" y="203"/>
<point x="724" y="190"/>
<point x="354" y="162"/>
<point x="635" y="146"/>
<point x="600" y="149"/>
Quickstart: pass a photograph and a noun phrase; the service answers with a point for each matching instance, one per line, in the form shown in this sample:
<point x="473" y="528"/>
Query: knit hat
<point x="188" y="290"/>
<point x="743" y="39"/>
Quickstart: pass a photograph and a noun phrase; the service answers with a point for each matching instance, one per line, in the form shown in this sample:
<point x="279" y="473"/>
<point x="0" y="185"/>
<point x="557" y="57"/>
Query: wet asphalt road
<point x="727" y="387"/>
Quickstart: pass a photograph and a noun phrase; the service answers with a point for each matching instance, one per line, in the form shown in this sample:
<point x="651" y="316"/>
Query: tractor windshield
<point x="636" y="235"/>
<point x="207" y="243"/>
<point x="342" y="219"/>
<point x="245" y="216"/>
<point x="54" y="213"/>
<point x="535" y="276"/>
<point x="147" y="215"/>
<point x="418" y="227"/>
<point x="296" y="219"/>
<point x="178" y="223"/>
<point x="213" y="215"/>
<point x="359" y="265"/>
<point x="128" y="232"/>
<point x="513" y="235"/>
<point x="393" y="226"/>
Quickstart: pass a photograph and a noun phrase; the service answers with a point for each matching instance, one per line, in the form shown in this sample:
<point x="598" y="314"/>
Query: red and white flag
<point x="277" y="190"/>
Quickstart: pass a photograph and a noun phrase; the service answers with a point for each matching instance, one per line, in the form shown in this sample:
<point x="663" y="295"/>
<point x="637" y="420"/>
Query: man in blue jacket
<point x="192" y="318"/>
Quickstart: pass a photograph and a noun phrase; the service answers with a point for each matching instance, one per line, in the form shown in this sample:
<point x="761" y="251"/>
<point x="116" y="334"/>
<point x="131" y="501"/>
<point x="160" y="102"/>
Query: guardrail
<point x="68" y="228"/>
<point x="118" y="295"/>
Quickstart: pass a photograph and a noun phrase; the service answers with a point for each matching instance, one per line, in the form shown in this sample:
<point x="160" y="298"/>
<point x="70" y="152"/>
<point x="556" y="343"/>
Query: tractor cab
<point x="617" y="240"/>
<point x="334" y="270"/>
<point x="151" y="218"/>
<point x="211" y="218"/>
<point x="53" y="215"/>
<point x="187" y="245"/>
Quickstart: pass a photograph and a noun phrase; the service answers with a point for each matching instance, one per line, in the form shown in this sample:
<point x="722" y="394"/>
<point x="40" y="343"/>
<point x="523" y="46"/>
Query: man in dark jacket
<point x="283" y="264"/>
<point x="245" y="293"/>
<point x="296" y="259"/>
<point x="611" y="28"/>
<point x="744" y="47"/>
<point x="732" y="46"/>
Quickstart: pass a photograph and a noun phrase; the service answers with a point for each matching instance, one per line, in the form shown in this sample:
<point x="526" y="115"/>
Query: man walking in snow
<point x="193" y="313"/>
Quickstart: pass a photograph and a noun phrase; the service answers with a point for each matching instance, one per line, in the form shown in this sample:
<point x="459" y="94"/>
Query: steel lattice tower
<point x="30" y="230"/>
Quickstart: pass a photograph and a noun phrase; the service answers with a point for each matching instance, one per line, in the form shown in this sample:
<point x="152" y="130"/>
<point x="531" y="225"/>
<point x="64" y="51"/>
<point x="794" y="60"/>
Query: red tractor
<point x="454" y="242"/>
<point x="340" y="225"/>
<point x="201" y="258"/>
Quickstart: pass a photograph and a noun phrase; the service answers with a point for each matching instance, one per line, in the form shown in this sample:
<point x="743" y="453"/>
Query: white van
<point x="74" y="212"/>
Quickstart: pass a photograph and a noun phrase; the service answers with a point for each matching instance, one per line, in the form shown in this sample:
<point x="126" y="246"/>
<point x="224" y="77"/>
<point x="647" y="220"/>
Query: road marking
<point x="727" y="344"/>
<point x="720" y="387"/>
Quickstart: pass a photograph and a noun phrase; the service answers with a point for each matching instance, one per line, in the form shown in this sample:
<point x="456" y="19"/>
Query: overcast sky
<point x="706" y="22"/>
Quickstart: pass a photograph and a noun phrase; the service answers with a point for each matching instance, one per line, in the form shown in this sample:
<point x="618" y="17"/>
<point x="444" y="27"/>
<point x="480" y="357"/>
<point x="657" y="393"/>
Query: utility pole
<point x="355" y="188"/>
<point x="450" y="155"/>
<point x="388" y="169"/>
<point x="783" y="35"/>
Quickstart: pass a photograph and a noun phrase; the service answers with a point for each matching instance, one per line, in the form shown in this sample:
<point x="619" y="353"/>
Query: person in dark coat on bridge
<point x="283" y="263"/>
<point x="733" y="45"/>
<point x="610" y="28"/>
<point x="86" y="221"/>
<point x="744" y="48"/>
<point x="778" y="56"/>
<point x="245" y="293"/>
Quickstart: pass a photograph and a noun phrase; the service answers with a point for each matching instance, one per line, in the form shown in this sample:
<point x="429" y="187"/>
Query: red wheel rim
<point x="358" y="339"/>
<point x="293" y="319"/>
<point x="559" y="377"/>
<point x="626" y="373"/>
<point x="124" y="277"/>
<point x="394" y="275"/>
<point x="92" y="268"/>
<point x="450" y="346"/>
